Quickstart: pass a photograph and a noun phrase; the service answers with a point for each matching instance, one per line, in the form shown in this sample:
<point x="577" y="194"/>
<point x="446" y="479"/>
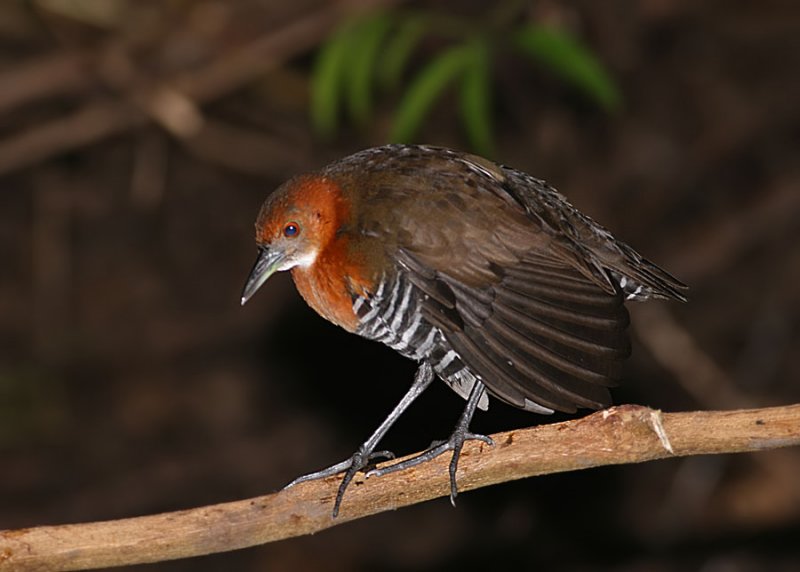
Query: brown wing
<point x="525" y="289"/>
<point x="541" y="333"/>
<point x="532" y="326"/>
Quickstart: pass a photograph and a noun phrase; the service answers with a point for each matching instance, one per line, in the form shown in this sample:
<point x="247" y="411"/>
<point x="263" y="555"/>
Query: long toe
<point x="455" y="442"/>
<point x="328" y="472"/>
<point x="360" y="460"/>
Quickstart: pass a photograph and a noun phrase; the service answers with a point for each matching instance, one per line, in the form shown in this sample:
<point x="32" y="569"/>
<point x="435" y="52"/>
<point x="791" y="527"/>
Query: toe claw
<point x="478" y="437"/>
<point x="384" y="455"/>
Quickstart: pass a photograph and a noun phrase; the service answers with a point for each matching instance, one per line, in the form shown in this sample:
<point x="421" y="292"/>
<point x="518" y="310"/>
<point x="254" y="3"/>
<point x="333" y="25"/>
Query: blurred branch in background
<point x="626" y="434"/>
<point x="362" y="52"/>
<point x="172" y="102"/>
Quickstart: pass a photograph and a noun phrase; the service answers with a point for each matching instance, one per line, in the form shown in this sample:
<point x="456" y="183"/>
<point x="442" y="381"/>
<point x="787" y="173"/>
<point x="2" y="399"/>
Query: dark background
<point x="131" y="382"/>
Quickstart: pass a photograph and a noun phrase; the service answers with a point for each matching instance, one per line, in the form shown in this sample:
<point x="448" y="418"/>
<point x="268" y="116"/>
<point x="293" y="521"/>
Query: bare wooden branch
<point x="625" y="434"/>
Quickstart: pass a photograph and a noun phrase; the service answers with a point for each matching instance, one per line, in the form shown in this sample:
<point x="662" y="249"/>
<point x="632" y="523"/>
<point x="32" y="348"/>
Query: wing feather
<point x="528" y="291"/>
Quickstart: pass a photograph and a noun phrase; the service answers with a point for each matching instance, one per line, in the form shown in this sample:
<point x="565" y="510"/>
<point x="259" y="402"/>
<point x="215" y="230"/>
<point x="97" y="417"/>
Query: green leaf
<point x="564" y="55"/>
<point x="398" y="50"/>
<point x="360" y="69"/>
<point x="327" y="80"/>
<point x="426" y="87"/>
<point x="475" y="98"/>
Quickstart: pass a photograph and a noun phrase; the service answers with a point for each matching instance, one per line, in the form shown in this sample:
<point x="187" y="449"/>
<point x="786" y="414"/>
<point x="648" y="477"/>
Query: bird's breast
<point x="394" y="316"/>
<point x="331" y="284"/>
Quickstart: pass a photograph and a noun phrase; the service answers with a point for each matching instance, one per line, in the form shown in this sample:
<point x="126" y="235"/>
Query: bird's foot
<point x="455" y="443"/>
<point x="361" y="460"/>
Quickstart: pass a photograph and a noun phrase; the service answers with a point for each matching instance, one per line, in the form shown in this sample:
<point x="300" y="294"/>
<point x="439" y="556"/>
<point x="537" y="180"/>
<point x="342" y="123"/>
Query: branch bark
<point x="625" y="434"/>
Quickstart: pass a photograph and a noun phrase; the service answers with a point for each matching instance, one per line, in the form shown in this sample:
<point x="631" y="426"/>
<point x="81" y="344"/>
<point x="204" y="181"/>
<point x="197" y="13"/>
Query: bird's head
<point x="294" y="225"/>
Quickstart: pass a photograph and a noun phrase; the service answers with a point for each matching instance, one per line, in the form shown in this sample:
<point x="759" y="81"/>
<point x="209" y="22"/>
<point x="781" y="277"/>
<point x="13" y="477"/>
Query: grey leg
<point x="366" y="452"/>
<point x="455" y="443"/>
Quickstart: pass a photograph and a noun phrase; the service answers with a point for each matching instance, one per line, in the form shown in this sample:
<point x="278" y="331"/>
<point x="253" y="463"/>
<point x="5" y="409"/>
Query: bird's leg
<point x="366" y="452"/>
<point x="455" y="443"/>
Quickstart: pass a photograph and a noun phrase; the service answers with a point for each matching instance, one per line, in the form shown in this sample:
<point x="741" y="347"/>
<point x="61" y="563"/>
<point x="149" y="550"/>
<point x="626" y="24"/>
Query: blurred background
<point x="138" y="139"/>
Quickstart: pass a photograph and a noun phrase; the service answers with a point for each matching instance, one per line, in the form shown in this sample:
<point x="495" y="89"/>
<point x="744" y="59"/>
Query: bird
<point x="483" y="274"/>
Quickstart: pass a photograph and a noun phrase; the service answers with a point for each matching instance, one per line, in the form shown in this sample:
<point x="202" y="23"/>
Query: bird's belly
<point x="412" y="336"/>
<point x="408" y="333"/>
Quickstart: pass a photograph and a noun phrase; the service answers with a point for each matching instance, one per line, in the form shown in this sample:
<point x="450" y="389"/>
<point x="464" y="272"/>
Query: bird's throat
<point x="330" y="284"/>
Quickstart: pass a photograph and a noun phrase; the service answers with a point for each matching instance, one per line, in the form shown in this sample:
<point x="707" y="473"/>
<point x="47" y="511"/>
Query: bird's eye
<point x="291" y="230"/>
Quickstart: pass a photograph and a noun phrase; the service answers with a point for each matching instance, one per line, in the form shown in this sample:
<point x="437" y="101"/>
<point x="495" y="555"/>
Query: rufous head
<point x="294" y="225"/>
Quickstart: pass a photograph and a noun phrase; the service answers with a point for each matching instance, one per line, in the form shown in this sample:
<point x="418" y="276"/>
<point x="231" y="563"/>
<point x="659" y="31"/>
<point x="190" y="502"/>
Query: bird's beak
<point x="266" y="264"/>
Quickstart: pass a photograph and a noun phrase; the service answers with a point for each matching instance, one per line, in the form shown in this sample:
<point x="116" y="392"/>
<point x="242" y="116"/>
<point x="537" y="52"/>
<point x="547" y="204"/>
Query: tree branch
<point x="625" y="434"/>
